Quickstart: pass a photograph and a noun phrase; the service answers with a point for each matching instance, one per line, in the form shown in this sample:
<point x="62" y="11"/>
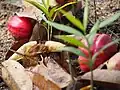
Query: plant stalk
<point x="48" y="32"/>
<point x="51" y="32"/>
<point x="90" y="64"/>
<point x="91" y="81"/>
<point x="70" y="69"/>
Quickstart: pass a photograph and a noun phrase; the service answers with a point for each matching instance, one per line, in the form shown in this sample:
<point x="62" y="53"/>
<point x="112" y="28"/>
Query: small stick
<point x="18" y="53"/>
<point x="25" y="54"/>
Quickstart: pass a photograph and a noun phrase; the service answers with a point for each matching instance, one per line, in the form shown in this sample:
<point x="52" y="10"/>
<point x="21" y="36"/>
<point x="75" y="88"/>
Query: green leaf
<point x="67" y="4"/>
<point x="73" y="20"/>
<point x="48" y="3"/>
<point x="70" y="40"/>
<point x="93" y="32"/>
<point x="65" y="28"/>
<point x="39" y="6"/>
<point x="110" y="20"/>
<point x="43" y="1"/>
<point x="72" y="50"/>
<point x="85" y="19"/>
<point x="52" y="11"/>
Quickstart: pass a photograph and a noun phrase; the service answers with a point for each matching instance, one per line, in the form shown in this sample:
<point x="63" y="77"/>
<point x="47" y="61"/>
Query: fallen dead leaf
<point x="15" y="76"/>
<point x="52" y="76"/>
<point x="110" y="76"/>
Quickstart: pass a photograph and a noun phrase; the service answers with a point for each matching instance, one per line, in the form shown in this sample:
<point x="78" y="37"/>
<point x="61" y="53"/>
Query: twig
<point x="18" y="53"/>
<point x="95" y="10"/>
<point x="24" y="55"/>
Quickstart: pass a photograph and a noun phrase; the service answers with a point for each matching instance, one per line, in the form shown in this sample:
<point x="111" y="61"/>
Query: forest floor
<point x="104" y="9"/>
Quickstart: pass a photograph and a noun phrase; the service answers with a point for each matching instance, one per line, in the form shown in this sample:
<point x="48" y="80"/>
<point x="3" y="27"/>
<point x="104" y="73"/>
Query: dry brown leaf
<point x="15" y="76"/>
<point x="30" y="11"/>
<point x="104" y="75"/>
<point x="23" y="49"/>
<point x="43" y="83"/>
<point x="16" y="45"/>
<point x="52" y="74"/>
<point x="39" y="33"/>
<point x="26" y="59"/>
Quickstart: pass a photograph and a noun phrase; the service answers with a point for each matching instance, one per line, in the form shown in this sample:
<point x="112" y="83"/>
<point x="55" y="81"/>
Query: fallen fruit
<point x="20" y="27"/>
<point x="99" y="42"/>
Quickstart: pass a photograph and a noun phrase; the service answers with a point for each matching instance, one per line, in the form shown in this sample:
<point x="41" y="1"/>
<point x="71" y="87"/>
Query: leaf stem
<point x="91" y="70"/>
<point x="90" y="63"/>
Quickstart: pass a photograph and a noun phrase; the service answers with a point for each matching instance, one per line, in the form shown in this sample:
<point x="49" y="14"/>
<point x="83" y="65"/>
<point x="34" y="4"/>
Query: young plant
<point x="85" y="52"/>
<point x="50" y="10"/>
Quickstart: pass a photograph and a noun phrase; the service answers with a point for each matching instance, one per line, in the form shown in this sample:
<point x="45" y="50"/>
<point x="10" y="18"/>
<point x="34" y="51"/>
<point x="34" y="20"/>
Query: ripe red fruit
<point x="83" y="61"/>
<point x="20" y="27"/>
<point x="99" y="41"/>
<point x="85" y="51"/>
<point x="102" y="40"/>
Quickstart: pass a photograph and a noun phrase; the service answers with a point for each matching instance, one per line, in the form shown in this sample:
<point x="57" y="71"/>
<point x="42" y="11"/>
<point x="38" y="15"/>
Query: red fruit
<point x="99" y="42"/>
<point x="85" y="51"/>
<point x="83" y="63"/>
<point x="20" y="27"/>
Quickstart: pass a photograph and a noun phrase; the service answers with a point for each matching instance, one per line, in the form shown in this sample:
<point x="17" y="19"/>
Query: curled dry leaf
<point x="16" y="45"/>
<point x="26" y="58"/>
<point x="15" y="76"/>
<point x="29" y="52"/>
<point x="37" y="49"/>
<point x="23" y="49"/>
<point x="53" y="46"/>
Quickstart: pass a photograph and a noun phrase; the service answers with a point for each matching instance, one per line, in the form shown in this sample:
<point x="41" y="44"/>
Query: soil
<point x="104" y="9"/>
